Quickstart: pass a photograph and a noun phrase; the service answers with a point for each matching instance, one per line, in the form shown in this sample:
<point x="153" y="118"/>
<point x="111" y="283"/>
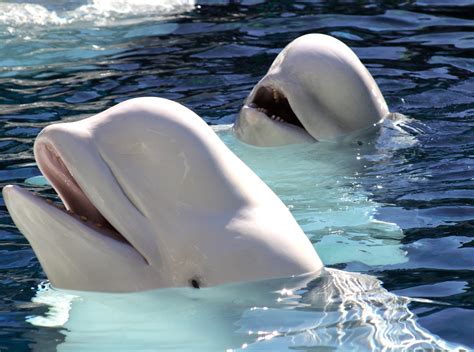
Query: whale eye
<point x="194" y="283"/>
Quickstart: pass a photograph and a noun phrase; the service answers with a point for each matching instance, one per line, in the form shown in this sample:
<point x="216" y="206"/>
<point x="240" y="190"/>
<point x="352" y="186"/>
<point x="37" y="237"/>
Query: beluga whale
<point x="153" y="199"/>
<point x="317" y="89"/>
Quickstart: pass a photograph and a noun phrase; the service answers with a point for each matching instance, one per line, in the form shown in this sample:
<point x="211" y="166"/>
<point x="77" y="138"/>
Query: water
<point x="398" y="207"/>
<point x="336" y="311"/>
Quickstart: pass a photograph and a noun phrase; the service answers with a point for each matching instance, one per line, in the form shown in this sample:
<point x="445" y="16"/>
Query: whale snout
<point x="150" y="197"/>
<point x="316" y="86"/>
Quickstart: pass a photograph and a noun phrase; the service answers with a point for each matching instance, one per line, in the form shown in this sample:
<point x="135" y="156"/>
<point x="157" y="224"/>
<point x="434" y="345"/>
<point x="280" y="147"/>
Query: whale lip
<point x="77" y="209"/>
<point x="268" y="119"/>
<point x="76" y="203"/>
<point x="274" y="104"/>
<point x="74" y="254"/>
<point x="270" y="102"/>
<point x="45" y="205"/>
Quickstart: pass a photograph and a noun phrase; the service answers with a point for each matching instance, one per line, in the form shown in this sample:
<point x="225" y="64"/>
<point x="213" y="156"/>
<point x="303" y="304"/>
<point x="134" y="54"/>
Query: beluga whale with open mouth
<point x="316" y="89"/>
<point x="153" y="199"/>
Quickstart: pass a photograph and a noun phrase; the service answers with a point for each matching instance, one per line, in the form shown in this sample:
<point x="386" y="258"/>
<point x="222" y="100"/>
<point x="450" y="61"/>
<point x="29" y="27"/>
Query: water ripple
<point x="418" y="174"/>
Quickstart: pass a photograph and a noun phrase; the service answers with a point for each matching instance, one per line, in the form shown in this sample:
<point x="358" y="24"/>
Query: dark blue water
<point x="61" y="62"/>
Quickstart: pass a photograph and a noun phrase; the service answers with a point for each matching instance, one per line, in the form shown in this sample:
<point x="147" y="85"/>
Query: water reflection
<point x="426" y="187"/>
<point x="322" y="184"/>
<point x="335" y="310"/>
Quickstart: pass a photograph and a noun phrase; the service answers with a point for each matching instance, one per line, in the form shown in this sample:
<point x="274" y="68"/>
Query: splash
<point x="341" y="312"/>
<point x="59" y="303"/>
<point x="97" y="12"/>
<point x="51" y="34"/>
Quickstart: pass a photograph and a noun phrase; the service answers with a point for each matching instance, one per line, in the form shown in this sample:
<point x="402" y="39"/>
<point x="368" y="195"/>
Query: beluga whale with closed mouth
<point x="316" y="89"/>
<point x="153" y="199"/>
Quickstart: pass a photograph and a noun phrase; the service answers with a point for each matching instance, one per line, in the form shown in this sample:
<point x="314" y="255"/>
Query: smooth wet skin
<point x="209" y="59"/>
<point x="154" y="199"/>
<point x="316" y="89"/>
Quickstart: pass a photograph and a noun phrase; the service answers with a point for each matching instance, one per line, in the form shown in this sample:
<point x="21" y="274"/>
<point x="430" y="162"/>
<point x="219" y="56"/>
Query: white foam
<point x="59" y="303"/>
<point x="23" y="14"/>
<point x="222" y="128"/>
<point x="98" y="12"/>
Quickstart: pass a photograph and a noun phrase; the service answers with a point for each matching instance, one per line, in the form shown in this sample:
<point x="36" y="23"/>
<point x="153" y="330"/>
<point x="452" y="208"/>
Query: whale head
<point x="316" y="89"/>
<point x="153" y="198"/>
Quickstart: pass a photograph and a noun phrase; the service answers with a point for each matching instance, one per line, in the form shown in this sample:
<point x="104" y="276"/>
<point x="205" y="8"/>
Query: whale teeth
<point x="98" y="225"/>
<point x="83" y="218"/>
<point x="277" y="118"/>
<point x="276" y="95"/>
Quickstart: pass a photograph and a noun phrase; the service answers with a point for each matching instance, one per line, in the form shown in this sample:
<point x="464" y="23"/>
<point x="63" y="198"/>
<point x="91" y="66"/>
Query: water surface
<point x="404" y="199"/>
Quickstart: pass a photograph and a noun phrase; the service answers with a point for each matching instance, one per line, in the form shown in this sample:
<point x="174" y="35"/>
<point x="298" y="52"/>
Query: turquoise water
<point x="398" y="208"/>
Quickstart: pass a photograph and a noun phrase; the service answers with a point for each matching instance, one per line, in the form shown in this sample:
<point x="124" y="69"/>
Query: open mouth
<point x="76" y="203"/>
<point x="274" y="104"/>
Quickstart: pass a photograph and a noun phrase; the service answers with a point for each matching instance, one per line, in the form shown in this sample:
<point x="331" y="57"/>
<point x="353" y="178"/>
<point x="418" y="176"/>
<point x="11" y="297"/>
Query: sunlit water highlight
<point x="321" y="184"/>
<point x="399" y="207"/>
<point x="336" y="310"/>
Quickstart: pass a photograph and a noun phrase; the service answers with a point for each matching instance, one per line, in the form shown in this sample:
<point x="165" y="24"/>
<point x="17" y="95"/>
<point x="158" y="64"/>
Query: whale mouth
<point x="76" y="203"/>
<point x="275" y="105"/>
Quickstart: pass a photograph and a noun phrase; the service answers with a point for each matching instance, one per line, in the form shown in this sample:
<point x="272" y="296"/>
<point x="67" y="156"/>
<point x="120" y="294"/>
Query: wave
<point x="97" y="12"/>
